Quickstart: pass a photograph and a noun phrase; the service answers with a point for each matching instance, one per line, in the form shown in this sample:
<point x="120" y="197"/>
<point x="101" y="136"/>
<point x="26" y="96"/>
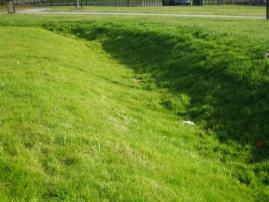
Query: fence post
<point x="267" y="9"/>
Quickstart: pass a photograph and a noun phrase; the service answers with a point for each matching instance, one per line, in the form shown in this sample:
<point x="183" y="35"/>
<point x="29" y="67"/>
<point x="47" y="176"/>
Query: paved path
<point x="32" y="10"/>
<point x="45" y="11"/>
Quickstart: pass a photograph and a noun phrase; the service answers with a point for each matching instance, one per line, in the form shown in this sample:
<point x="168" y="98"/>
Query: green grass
<point x="205" y="10"/>
<point x="92" y="109"/>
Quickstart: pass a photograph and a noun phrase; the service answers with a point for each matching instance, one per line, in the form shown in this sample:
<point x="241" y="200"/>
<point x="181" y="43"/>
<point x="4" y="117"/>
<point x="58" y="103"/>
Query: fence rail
<point x="128" y="2"/>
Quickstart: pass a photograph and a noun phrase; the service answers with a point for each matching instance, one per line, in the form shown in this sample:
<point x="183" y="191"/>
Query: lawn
<point x="99" y="109"/>
<point x="199" y="10"/>
<point x="2" y="8"/>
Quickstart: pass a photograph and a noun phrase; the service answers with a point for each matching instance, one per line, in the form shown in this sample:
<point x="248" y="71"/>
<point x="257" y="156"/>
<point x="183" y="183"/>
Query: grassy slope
<point x="206" y="10"/>
<point x="77" y="124"/>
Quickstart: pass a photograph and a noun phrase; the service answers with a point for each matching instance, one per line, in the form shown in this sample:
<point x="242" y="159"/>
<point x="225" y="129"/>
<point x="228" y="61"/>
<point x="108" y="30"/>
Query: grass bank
<point x="93" y="109"/>
<point x="229" y="85"/>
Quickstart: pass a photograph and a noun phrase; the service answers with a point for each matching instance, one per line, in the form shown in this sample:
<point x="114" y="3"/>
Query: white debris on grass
<point x="189" y="122"/>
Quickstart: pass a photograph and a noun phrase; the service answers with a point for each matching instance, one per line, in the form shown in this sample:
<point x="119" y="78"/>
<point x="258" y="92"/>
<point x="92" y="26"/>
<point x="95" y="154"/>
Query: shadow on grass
<point x="224" y="77"/>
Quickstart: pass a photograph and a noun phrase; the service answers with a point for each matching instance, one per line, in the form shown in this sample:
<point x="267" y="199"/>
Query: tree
<point x="10" y="6"/>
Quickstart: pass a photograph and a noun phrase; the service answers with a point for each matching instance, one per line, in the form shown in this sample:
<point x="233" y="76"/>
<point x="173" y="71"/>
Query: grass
<point x="204" y="10"/>
<point x="92" y="109"/>
<point x="2" y="8"/>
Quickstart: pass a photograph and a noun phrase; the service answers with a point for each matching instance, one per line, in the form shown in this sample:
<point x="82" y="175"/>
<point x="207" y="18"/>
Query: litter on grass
<point x="189" y="122"/>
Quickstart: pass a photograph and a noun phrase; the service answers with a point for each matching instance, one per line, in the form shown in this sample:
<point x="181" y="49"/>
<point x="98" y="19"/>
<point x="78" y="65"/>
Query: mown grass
<point x="206" y="10"/>
<point x="93" y="109"/>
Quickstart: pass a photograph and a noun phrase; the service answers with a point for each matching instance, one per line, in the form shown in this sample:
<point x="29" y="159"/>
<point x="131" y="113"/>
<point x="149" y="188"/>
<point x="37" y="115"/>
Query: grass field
<point x="205" y="10"/>
<point x="93" y="109"/>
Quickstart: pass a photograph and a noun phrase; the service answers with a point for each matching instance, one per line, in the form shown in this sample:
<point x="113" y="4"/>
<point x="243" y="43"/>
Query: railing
<point x="235" y="2"/>
<point x="128" y="2"/>
<point x="95" y="2"/>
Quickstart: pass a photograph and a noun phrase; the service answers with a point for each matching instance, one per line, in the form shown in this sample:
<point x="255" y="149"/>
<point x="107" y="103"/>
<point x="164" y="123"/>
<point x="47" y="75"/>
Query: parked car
<point x="181" y="2"/>
<point x="176" y="2"/>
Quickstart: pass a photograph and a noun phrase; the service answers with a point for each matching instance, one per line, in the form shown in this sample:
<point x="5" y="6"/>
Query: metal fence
<point x="88" y="2"/>
<point x="128" y="2"/>
<point x="235" y="2"/>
